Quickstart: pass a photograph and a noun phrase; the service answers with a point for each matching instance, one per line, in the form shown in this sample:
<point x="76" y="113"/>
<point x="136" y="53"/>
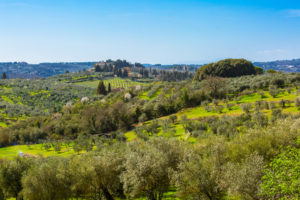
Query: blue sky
<point x="156" y="31"/>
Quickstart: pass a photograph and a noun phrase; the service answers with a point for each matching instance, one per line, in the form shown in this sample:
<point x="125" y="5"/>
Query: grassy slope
<point x="191" y="113"/>
<point x="198" y="112"/>
<point x="32" y="150"/>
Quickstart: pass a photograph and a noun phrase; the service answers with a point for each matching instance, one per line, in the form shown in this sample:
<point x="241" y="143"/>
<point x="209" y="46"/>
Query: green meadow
<point x="32" y="151"/>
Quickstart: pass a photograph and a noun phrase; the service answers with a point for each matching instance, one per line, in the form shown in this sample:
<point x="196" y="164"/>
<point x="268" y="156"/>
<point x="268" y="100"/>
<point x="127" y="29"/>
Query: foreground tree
<point x="199" y="173"/>
<point x="146" y="173"/>
<point x="97" y="175"/>
<point x="11" y="173"/>
<point x="148" y="166"/>
<point x="243" y="179"/>
<point x="49" y="180"/>
<point x="282" y="177"/>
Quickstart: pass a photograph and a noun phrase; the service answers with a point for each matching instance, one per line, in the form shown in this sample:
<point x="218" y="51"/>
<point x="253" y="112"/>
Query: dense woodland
<point x="220" y="136"/>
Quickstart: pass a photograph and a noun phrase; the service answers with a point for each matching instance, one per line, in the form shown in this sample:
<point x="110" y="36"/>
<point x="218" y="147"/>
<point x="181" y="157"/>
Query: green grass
<point x="2" y="124"/>
<point x="145" y="95"/>
<point x="130" y="135"/>
<point x="251" y="98"/>
<point x="32" y="150"/>
<point x="33" y="93"/>
<point x="7" y="99"/>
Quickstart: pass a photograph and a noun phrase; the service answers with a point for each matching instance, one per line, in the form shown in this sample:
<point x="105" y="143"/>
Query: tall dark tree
<point x="4" y="76"/>
<point x="125" y="73"/>
<point x="101" y="89"/>
<point x="109" y="88"/>
<point x="97" y="68"/>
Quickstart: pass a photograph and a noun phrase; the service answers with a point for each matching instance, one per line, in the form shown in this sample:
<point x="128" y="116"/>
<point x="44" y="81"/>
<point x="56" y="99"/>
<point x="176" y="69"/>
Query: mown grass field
<point x="33" y="151"/>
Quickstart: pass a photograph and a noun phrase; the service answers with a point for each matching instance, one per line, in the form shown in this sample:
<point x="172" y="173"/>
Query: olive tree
<point x="11" y="173"/>
<point x="243" y="178"/>
<point x="147" y="167"/>
<point x="49" y="179"/>
<point x="97" y="175"/>
<point x="199" y="173"/>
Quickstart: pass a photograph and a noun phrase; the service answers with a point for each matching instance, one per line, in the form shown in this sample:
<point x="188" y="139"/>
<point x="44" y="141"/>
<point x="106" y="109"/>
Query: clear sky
<point x="153" y="31"/>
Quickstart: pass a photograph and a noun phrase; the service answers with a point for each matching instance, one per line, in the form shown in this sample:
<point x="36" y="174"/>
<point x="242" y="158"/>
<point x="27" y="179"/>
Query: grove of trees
<point x="227" y="68"/>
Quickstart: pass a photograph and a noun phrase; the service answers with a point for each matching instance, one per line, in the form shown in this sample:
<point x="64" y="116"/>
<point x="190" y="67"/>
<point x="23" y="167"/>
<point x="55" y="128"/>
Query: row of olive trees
<point x="39" y="97"/>
<point x="139" y="169"/>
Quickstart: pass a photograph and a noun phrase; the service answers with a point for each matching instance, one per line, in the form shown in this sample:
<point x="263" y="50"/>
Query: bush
<point x="297" y="102"/>
<point x="246" y="107"/>
<point x="273" y="90"/>
<point x="278" y="82"/>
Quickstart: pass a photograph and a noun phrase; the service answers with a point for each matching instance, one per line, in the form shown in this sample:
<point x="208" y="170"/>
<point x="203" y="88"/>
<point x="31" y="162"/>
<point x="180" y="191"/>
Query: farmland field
<point x="114" y="82"/>
<point x="32" y="151"/>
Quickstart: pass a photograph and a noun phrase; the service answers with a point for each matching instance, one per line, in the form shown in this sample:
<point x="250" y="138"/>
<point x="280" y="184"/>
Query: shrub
<point x="273" y="90"/>
<point x="297" y="102"/>
<point x="229" y="106"/>
<point x="278" y="82"/>
<point x="246" y="107"/>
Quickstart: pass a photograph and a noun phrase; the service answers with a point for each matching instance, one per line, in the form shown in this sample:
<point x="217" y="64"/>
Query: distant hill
<point x="42" y="70"/>
<point x="282" y="65"/>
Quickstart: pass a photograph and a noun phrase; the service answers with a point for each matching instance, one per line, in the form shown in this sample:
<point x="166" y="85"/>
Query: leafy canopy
<point x="226" y="68"/>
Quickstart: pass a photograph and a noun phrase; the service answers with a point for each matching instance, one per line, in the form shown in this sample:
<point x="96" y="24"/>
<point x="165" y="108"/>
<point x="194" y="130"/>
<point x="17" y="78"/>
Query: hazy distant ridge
<point x="42" y="70"/>
<point x="282" y="65"/>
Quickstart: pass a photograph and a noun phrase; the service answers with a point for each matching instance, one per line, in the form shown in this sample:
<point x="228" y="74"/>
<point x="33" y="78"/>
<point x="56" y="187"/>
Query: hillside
<point x="147" y="138"/>
<point x="42" y="70"/>
<point x="281" y="65"/>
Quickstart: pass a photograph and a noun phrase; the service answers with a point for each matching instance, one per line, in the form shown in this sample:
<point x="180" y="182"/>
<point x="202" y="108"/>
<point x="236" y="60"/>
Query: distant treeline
<point x="281" y="65"/>
<point x="123" y="68"/>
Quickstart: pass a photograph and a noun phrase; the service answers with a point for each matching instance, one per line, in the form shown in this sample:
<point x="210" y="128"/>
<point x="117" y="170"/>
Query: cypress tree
<point x="109" y="88"/>
<point x="125" y="73"/>
<point x="4" y="76"/>
<point x="101" y="89"/>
